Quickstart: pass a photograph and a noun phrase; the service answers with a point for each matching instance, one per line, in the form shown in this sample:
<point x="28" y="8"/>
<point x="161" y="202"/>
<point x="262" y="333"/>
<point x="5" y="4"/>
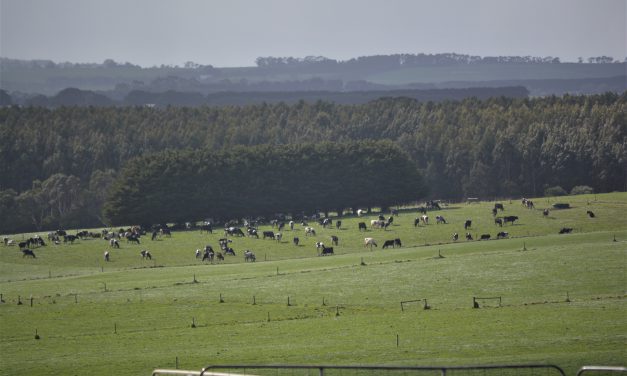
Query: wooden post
<point x="268" y="316"/>
<point x="337" y="310"/>
<point x="195" y="281"/>
<point x="402" y="309"/>
<point x="277" y="270"/>
<point x="36" y="334"/>
<point x="115" y="328"/>
<point x="567" y="297"/>
<point x="19" y="300"/>
<point x="397" y="340"/>
<point x="1" y="299"/>
<point x="427" y="305"/>
<point x="474" y="303"/>
<point x="193" y="322"/>
<point x="176" y="364"/>
<point x="49" y="273"/>
<point x="221" y="300"/>
<point x="323" y="303"/>
<point x="288" y="301"/>
<point x="75" y="298"/>
<point x="254" y="301"/>
<point x="31" y="301"/>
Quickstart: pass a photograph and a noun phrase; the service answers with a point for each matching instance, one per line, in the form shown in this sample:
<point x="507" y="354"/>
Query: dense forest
<point x="58" y="164"/>
<point x="262" y="181"/>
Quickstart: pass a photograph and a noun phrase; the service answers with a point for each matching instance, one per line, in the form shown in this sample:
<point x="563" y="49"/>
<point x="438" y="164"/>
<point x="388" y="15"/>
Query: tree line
<point x="262" y="180"/>
<point x="498" y="147"/>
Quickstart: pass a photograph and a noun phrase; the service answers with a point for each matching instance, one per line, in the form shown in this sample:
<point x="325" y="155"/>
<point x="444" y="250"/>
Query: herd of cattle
<point x="231" y="230"/>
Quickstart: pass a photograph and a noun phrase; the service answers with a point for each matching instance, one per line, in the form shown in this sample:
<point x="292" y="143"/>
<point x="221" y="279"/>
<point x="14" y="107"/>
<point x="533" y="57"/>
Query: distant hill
<point x="541" y="76"/>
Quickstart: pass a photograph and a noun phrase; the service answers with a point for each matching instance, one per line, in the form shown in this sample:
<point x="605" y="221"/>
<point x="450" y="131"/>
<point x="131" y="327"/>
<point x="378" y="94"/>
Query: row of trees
<point x="262" y="181"/>
<point x="488" y="148"/>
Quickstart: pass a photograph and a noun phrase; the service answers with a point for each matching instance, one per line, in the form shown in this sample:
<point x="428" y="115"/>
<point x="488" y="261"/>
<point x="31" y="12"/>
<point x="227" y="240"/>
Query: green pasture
<point x="562" y="296"/>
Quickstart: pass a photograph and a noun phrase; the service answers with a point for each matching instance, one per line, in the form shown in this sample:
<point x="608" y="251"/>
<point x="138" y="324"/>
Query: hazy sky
<point x="235" y="32"/>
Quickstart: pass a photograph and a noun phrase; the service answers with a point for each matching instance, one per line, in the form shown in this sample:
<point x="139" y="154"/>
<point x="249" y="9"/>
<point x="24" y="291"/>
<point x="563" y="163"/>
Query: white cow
<point x="369" y="242"/>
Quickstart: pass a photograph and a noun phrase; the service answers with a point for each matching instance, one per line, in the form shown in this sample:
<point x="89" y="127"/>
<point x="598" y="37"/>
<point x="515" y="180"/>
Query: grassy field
<point x="562" y="297"/>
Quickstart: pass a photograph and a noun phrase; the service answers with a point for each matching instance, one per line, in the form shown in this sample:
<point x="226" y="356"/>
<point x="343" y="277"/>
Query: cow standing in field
<point x="326" y="251"/>
<point x="439" y="219"/>
<point x="455" y="237"/>
<point x="369" y="242"/>
<point x="296" y="241"/>
<point x="335" y="240"/>
<point x="468" y="236"/>
<point x="106" y="256"/>
<point x="502" y="235"/>
<point x="590" y="214"/>
<point x="338" y="224"/>
<point x="509" y="218"/>
<point x="145" y="254"/>
<point x="498" y="221"/>
<point x="485" y="237"/>
<point x="362" y="226"/>
<point x="467" y="224"/>
<point x="28" y="252"/>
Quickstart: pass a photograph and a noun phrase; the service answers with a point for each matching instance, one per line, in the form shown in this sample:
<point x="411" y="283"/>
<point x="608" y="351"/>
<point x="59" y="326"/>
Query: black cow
<point x="502" y="235"/>
<point x="494" y="212"/>
<point x="268" y="234"/>
<point x="468" y="236"/>
<point x="362" y="226"/>
<point x="28" y="252"/>
<point x="467" y="224"/>
<point x="485" y="237"/>
<point x="566" y="230"/>
<point x="545" y="212"/>
<point x="252" y="232"/>
<point x="338" y="224"/>
<point x="335" y="240"/>
<point x="590" y="214"/>
<point x="397" y="242"/>
<point x="234" y="231"/>
<point x="416" y="222"/>
<point x="296" y="240"/>
<point x="133" y="238"/>
<point x="326" y="251"/>
<point x="498" y="221"/>
<point x="510" y="218"/>
<point x="146" y="254"/>
<point x="388" y="243"/>
<point x="499" y="206"/>
<point x="69" y="238"/>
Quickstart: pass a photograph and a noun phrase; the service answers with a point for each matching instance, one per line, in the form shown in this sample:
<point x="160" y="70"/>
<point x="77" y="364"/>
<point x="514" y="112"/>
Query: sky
<point x="226" y="33"/>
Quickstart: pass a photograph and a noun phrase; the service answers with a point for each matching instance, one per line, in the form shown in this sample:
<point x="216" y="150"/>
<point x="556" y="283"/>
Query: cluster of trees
<point x="262" y="181"/>
<point x="76" y="97"/>
<point x="498" y="147"/>
<point x="409" y="60"/>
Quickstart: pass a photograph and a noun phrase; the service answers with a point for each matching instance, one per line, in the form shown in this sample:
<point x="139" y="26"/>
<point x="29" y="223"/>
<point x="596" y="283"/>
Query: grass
<point x="130" y="316"/>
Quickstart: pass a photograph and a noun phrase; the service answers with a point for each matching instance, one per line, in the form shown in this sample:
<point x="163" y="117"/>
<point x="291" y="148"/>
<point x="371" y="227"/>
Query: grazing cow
<point x="252" y="232"/>
<point x="198" y="253"/>
<point x="566" y="230"/>
<point x="369" y="242"/>
<point x="292" y="225"/>
<point x="468" y="236"/>
<point x="249" y="256"/>
<point x="509" y="218"/>
<point x="132" y="238"/>
<point x="485" y="237"/>
<point x="28" y="252"/>
<point x="234" y="231"/>
<point x="319" y="245"/>
<point x="377" y="223"/>
<point x="106" y="256"/>
<point x="154" y="235"/>
<point x="545" y="212"/>
<point x="114" y="243"/>
<point x="208" y="255"/>
<point x="590" y="214"/>
<point x="338" y="224"/>
<point x="281" y="225"/>
<point x="362" y="226"/>
<point x="310" y="231"/>
<point x="23" y="244"/>
<point x="440" y="219"/>
<point x="499" y="206"/>
<point x="229" y="251"/>
<point x="295" y="241"/>
<point x="424" y="219"/>
<point x="498" y="221"/>
<point x="494" y="212"/>
<point x="146" y="254"/>
<point x="527" y="203"/>
<point x="335" y="240"/>
<point x="268" y="234"/>
<point x="61" y="232"/>
<point x="467" y="224"/>
<point x="326" y="251"/>
<point x="69" y="238"/>
<point x="224" y="243"/>
<point x="219" y="256"/>
<point x="416" y="222"/>
<point x="397" y="242"/>
<point x="502" y="235"/>
<point x="278" y="236"/>
<point x="327" y="222"/>
<point x="388" y="243"/>
<point x="455" y="237"/>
